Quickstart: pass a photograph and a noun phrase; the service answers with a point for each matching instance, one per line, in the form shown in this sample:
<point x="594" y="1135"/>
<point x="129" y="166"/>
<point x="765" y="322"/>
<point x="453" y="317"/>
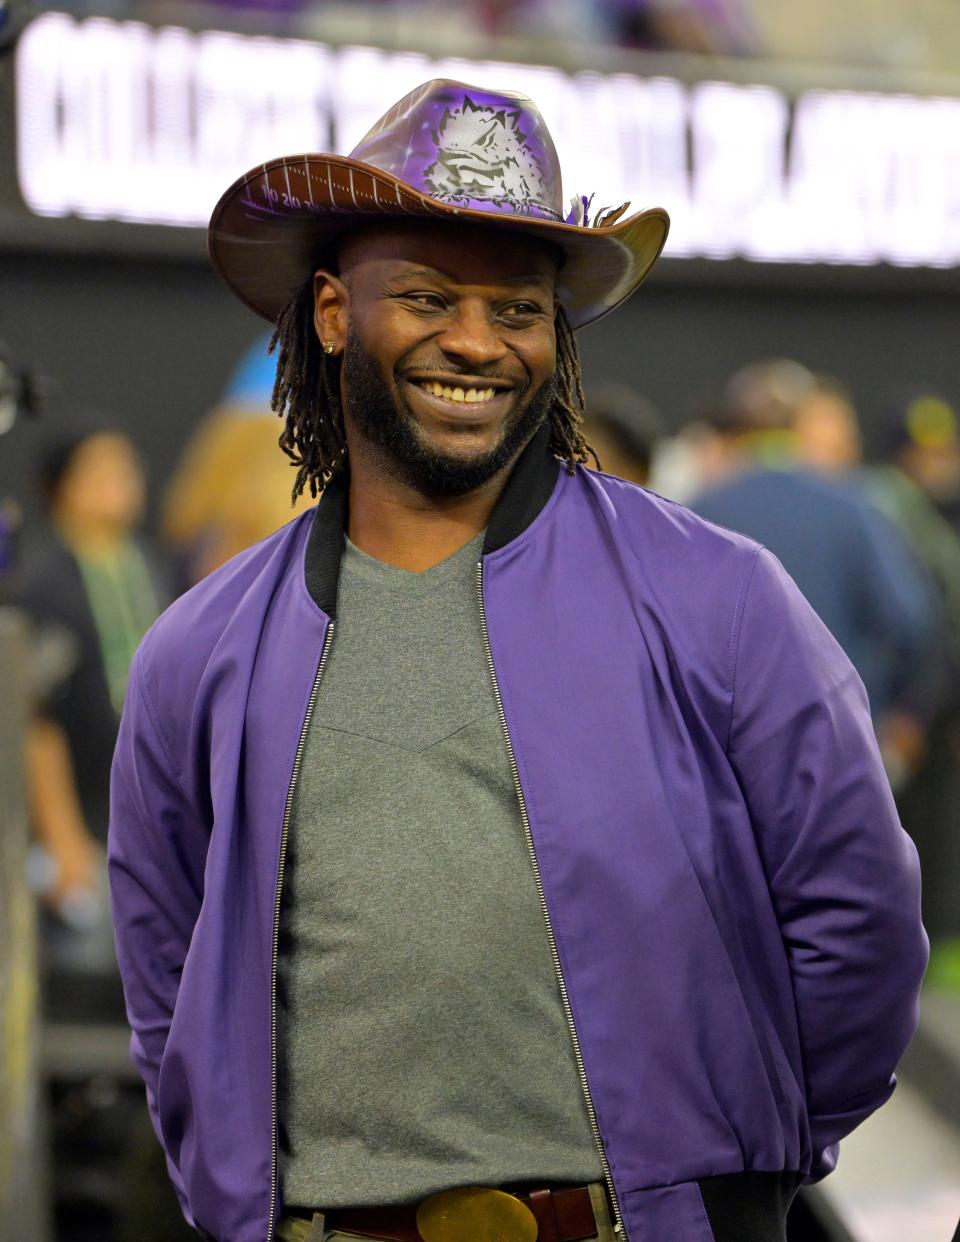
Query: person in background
<point x="231" y="488"/>
<point x="91" y="587"/>
<point x="743" y="429"/>
<point x="90" y="584"/>
<point x="828" y="440"/>
<point x="923" y="442"/>
<point x="700" y="456"/>
<point x="704" y="27"/>
<point x="918" y="441"/>
<point x="851" y="563"/>
<point x="622" y="428"/>
<point x="11" y="522"/>
<point x="826" y="430"/>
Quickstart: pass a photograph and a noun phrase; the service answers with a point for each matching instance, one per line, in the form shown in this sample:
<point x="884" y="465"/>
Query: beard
<point x="386" y="422"/>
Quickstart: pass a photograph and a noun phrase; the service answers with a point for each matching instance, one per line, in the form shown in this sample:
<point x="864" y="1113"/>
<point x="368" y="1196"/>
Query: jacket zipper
<point x="284" y="833"/>
<point x="618" y="1226"/>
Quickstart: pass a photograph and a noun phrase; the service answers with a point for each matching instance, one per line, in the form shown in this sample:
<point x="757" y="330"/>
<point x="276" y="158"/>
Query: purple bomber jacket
<point x="733" y="904"/>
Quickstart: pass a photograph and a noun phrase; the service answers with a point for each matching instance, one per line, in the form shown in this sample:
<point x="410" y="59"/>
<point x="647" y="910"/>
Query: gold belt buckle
<point x="475" y="1214"/>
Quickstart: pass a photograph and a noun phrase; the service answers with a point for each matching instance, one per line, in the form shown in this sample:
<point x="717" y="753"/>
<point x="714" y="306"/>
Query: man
<point x="498" y="851"/>
<point x="91" y="585"/>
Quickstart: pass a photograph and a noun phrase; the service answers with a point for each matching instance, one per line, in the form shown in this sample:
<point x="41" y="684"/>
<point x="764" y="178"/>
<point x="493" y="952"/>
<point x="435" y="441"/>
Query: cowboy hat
<point x="447" y="151"/>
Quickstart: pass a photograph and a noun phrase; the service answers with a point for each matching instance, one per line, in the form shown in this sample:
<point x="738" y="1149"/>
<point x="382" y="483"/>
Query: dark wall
<point x="153" y="341"/>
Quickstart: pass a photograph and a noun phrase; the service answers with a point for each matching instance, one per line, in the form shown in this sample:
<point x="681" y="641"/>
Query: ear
<point x="331" y="309"/>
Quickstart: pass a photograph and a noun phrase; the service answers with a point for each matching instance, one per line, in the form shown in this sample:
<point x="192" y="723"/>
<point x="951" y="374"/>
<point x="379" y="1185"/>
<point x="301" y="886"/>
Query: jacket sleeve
<point x="843" y="875"/>
<point x="155" y="853"/>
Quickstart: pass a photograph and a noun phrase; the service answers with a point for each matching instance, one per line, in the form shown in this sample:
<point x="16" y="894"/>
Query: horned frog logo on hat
<point x="482" y="153"/>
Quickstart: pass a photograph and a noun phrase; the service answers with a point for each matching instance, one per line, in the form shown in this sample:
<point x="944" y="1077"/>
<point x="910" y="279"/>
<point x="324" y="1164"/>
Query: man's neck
<point x="397" y="524"/>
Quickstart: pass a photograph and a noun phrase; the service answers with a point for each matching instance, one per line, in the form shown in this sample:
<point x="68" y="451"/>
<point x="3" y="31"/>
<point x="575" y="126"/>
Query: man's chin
<point x="440" y="463"/>
<point x="438" y="473"/>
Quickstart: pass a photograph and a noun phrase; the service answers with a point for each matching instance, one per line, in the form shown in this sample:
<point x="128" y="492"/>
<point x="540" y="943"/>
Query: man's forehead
<point x="459" y="273"/>
<point x="463" y="253"/>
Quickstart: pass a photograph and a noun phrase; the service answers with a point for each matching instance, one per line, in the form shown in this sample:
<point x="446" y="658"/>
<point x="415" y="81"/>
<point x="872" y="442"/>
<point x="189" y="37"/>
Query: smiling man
<point x="498" y="851"/>
<point x="449" y="347"/>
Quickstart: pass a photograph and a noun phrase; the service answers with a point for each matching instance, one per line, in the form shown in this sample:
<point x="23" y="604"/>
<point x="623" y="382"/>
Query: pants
<point x="298" y="1229"/>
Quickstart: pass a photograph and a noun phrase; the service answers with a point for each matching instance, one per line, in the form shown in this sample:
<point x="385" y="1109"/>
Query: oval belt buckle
<point x="475" y="1214"/>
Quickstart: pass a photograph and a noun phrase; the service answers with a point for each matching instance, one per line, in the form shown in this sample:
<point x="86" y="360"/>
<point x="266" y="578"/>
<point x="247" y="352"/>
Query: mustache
<point x="448" y="369"/>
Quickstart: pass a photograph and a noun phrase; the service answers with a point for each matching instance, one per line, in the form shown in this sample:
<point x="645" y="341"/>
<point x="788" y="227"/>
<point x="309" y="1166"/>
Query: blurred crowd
<point x="898" y="34"/>
<point x="696" y="26"/>
<point x="778" y="455"/>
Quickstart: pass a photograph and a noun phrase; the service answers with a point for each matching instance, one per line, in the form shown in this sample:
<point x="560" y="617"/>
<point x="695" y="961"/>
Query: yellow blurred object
<point x="231" y="489"/>
<point x="931" y="422"/>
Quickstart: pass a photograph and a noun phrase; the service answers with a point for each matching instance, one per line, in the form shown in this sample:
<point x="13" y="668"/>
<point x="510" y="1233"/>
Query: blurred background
<point x="789" y="370"/>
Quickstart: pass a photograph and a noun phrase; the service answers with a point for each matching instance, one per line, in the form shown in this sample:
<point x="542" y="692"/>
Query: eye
<point x="521" y="310"/>
<point x="429" y="301"/>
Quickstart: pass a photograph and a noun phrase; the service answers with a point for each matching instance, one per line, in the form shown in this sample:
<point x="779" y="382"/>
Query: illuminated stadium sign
<point x="124" y="121"/>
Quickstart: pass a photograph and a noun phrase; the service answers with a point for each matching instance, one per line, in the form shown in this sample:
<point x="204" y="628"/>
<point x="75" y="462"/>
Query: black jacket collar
<point x="525" y="493"/>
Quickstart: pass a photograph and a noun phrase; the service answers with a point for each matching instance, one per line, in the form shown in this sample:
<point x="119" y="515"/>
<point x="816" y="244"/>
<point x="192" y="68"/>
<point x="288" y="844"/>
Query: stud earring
<point x="329" y="347"/>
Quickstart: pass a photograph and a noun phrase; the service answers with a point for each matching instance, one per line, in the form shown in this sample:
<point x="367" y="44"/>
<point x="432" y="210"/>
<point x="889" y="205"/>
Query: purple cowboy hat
<point x="446" y="151"/>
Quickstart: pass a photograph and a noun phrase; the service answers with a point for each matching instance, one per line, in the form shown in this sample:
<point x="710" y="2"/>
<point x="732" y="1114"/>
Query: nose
<point x="470" y="336"/>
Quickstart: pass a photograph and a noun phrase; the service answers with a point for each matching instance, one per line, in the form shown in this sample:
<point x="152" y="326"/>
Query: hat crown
<point x="469" y="147"/>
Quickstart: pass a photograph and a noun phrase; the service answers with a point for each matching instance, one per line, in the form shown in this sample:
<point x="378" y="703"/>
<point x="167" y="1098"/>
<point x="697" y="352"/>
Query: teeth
<point x="475" y="395"/>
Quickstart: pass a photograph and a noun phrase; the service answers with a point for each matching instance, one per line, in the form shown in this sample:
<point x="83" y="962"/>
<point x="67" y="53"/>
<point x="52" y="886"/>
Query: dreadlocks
<point x="306" y="393"/>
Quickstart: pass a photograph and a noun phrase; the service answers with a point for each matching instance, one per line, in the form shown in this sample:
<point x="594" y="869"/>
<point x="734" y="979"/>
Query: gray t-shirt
<point x="423" y="1042"/>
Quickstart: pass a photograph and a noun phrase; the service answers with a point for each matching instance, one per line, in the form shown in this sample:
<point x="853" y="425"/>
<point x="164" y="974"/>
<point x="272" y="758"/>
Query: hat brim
<point x="277" y="223"/>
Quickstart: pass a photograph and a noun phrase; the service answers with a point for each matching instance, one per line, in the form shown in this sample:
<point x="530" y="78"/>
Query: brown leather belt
<point x="562" y="1216"/>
